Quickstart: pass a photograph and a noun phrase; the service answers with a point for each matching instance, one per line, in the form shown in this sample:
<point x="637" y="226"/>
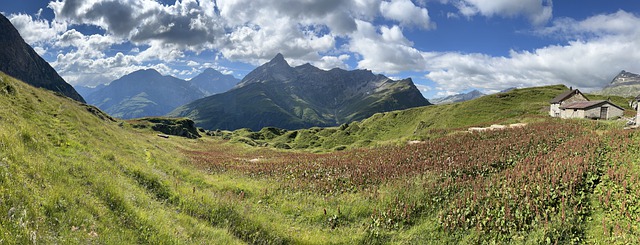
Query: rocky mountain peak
<point x="278" y="60"/>
<point x="625" y="77"/>
<point x="211" y="71"/>
<point x="19" y="60"/>
<point x="625" y="84"/>
<point x="212" y="81"/>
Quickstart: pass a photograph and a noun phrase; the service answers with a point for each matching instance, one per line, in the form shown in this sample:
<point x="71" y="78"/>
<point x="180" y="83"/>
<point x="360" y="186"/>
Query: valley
<point x="159" y="140"/>
<point x="63" y="180"/>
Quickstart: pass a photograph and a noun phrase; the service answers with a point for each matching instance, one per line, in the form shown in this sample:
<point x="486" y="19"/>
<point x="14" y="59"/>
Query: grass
<point x="398" y="127"/>
<point x="71" y="174"/>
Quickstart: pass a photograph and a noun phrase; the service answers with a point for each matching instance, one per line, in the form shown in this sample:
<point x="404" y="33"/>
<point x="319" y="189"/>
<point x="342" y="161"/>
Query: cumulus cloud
<point x="251" y="31"/>
<point x="189" y="24"/>
<point x="537" y="11"/>
<point x="327" y="34"/>
<point x="407" y="13"/>
<point x="619" y="23"/>
<point x="385" y="49"/>
<point x="610" y="46"/>
<point x="36" y="31"/>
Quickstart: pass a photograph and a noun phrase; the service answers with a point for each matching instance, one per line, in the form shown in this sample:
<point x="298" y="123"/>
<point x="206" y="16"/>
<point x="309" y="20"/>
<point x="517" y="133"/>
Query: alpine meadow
<point x="319" y="122"/>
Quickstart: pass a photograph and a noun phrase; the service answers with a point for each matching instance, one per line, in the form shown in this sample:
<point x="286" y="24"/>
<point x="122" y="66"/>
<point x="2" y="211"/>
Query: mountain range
<point x="625" y="84"/>
<point x="85" y="91"/>
<point x="144" y="93"/>
<point x="457" y="97"/>
<point x="276" y="94"/>
<point x="19" y="60"/>
<point x="211" y="82"/>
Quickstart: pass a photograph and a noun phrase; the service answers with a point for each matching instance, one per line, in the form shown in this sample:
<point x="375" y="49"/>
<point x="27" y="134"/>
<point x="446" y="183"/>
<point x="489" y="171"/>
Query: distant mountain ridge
<point x="457" y="97"/>
<point x="211" y="81"/>
<point x="19" y="60"/>
<point x="144" y="93"/>
<point x="85" y="91"/>
<point x="276" y="94"/>
<point x="625" y="84"/>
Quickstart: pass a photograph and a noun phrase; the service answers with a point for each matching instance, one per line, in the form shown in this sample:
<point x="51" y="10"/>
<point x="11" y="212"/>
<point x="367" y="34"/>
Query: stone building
<point x="573" y="95"/>
<point x="574" y="104"/>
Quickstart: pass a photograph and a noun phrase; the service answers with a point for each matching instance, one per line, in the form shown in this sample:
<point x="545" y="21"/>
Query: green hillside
<point x="516" y="106"/>
<point x="70" y="174"/>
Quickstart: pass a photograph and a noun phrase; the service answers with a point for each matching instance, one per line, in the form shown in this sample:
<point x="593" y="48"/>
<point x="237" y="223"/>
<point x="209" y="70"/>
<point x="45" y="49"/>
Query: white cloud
<point x="619" y="23"/>
<point x="330" y="62"/>
<point x="186" y="24"/>
<point x="36" y="31"/>
<point x="250" y="31"/>
<point x="327" y="34"/>
<point x="40" y="50"/>
<point x="588" y="64"/>
<point x="537" y="11"/>
<point x="385" y="49"/>
<point x="421" y="87"/>
<point x="407" y="13"/>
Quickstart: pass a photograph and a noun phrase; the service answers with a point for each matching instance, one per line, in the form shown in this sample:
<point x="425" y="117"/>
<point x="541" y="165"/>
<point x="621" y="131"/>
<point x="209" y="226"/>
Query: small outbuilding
<point x="574" y="104"/>
<point x="598" y="109"/>
<point x="573" y="95"/>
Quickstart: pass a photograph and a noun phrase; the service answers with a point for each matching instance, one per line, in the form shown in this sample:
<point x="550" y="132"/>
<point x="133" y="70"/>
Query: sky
<point x="445" y="46"/>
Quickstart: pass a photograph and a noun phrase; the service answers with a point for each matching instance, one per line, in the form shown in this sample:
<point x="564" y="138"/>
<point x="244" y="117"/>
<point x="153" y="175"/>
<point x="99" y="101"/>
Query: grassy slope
<point x="67" y="176"/>
<point x="519" y="105"/>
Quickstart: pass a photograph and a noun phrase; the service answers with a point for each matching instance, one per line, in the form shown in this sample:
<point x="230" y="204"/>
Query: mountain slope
<point x="85" y="91"/>
<point x="212" y="82"/>
<point x="63" y="180"/>
<point x="144" y="93"/>
<point x="68" y="174"/>
<point x="276" y="94"/>
<point x="625" y="84"/>
<point x="19" y="60"/>
<point x="457" y="97"/>
<point x="518" y="105"/>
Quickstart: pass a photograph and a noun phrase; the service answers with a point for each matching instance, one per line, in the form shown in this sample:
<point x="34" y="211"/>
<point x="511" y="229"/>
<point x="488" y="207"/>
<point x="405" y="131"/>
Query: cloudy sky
<point x="446" y="46"/>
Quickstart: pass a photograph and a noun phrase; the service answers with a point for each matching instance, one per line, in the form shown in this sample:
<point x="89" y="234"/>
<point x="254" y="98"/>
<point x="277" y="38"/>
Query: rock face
<point x="625" y="84"/>
<point x="212" y="82"/>
<point x="144" y="93"/>
<point x="458" y="97"/>
<point x="278" y="95"/>
<point x="19" y="60"/>
<point x="183" y="127"/>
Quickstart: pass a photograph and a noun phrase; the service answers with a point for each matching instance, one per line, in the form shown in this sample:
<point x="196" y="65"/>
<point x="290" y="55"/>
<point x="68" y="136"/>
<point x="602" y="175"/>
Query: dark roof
<point x="587" y="104"/>
<point x="565" y="95"/>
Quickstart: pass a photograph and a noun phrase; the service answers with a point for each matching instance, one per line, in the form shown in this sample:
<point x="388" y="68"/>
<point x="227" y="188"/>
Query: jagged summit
<point x="279" y="58"/>
<point x="19" y="60"/>
<point x="625" y="84"/>
<point x="276" y="94"/>
<point x="625" y="77"/>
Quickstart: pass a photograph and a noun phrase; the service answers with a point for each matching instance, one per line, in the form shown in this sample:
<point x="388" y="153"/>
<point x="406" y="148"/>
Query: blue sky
<point x="445" y="46"/>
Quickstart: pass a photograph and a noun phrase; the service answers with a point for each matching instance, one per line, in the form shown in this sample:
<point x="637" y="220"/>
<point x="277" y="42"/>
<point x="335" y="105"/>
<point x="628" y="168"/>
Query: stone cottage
<point x="573" y="104"/>
<point x="573" y="95"/>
